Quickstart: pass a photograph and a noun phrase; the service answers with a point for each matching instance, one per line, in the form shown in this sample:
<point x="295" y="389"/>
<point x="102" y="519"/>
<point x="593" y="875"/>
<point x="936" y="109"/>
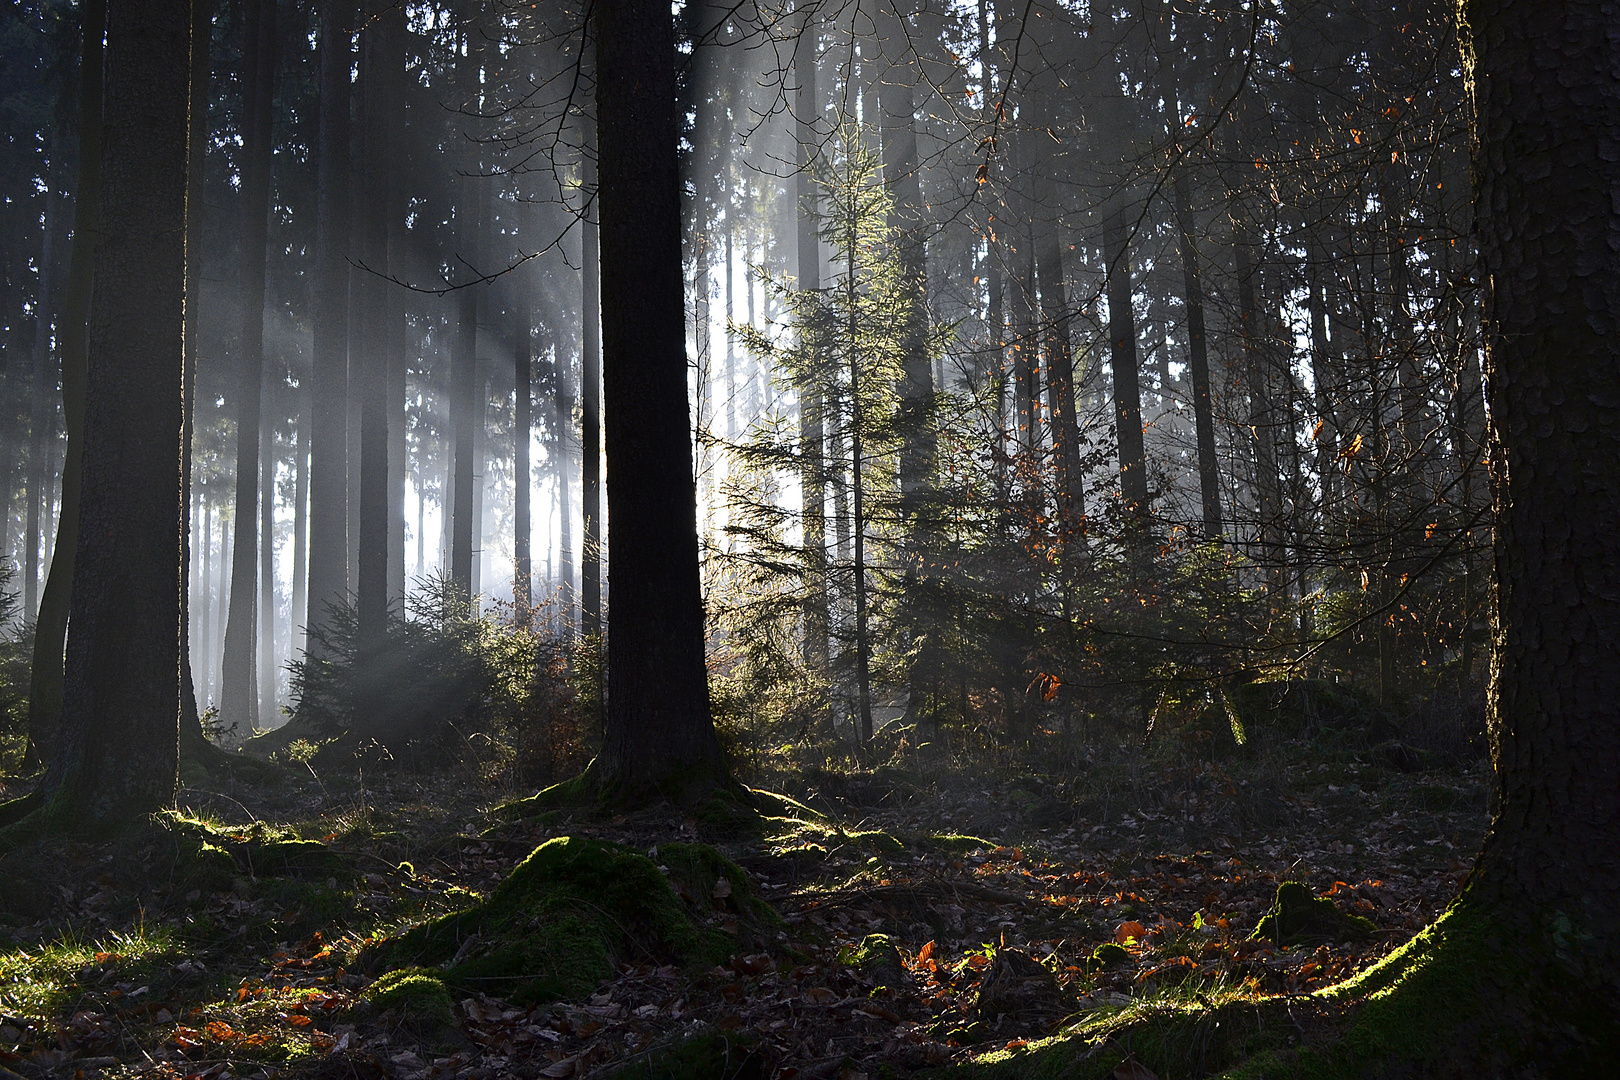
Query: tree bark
<point x="50" y="631"/>
<point x="119" y="750"/>
<point x="1127" y="376"/>
<point x="590" y="398"/>
<point x="329" y="376"/>
<point x="1543" y="78"/>
<point x="659" y="736"/>
<point x="812" y="467"/>
<point x="378" y="56"/>
<point x="523" y="385"/>
<point x="1209" y="477"/>
<point x="239" y="705"/>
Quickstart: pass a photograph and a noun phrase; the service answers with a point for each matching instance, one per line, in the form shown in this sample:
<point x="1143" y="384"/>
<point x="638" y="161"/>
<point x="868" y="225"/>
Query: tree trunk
<point x="193" y="743"/>
<point x="812" y="478"/>
<point x="659" y="735"/>
<point x="329" y="375"/>
<point x="523" y="384"/>
<point x="1127" y="378"/>
<point x="272" y="392"/>
<point x="119" y="750"/>
<point x="1060" y="391"/>
<point x="377" y="58"/>
<point x="42" y="421"/>
<point x="1545" y="91"/>
<point x="50" y="631"/>
<point x="1209" y="477"/>
<point x="590" y="398"/>
<point x="240" y="693"/>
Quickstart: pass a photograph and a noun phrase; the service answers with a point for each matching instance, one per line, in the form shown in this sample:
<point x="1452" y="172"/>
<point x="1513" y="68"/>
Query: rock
<point x="1296" y="918"/>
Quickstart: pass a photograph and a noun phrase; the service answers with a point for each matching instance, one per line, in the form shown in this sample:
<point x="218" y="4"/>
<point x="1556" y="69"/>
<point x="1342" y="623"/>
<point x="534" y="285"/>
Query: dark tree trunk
<point x="658" y="734"/>
<point x="523" y="384"/>
<point x="328" y="434"/>
<point x="119" y="749"/>
<point x="1209" y="477"/>
<point x="1127" y="376"/>
<point x="1262" y="421"/>
<point x="590" y="401"/>
<point x="378" y="56"/>
<point x="1545" y="90"/>
<point x="239" y="705"/>
<point x="1060" y="389"/>
<point x="812" y="468"/>
<point x="464" y="413"/>
<point x="193" y="744"/>
<point x="50" y="631"/>
<point x="42" y="410"/>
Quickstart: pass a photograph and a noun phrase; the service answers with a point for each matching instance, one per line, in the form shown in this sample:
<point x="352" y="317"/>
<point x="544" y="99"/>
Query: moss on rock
<point x="1297" y="917"/>
<point x="569" y="913"/>
<point x="416" y="995"/>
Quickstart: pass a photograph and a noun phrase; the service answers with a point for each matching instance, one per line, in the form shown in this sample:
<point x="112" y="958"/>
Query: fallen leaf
<point x="1129" y="931"/>
<point x="722" y="889"/>
<point x="565" y="1067"/>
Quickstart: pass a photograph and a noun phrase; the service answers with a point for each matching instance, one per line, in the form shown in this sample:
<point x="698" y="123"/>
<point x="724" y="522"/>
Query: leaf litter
<point x="902" y="948"/>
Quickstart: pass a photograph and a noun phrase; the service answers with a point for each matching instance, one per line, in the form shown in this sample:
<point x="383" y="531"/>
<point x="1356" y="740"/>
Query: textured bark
<point x="119" y="750"/>
<point x="464" y="414"/>
<point x="1127" y="375"/>
<point x="590" y="402"/>
<point x="523" y="383"/>
<point x="193" y="744"/>
<point x="812" y="434"/>
<point x="329" y="377"/>
<point x="239" y="692"/>
<point x="1547" y="162"/>
<point x="1060" y="387"/>
<point x="658" y="734"/>
<point x="50" y="631"/>
<point x="1209" y="477"/>
<point x="378" y="57"/>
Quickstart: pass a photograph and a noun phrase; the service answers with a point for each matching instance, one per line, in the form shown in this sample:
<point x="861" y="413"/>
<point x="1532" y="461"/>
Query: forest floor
<point x="125" y="960"/>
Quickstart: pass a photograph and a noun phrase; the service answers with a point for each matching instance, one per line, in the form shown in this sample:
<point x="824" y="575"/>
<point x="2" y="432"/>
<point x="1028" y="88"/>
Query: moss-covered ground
<point x="837" y="922"/>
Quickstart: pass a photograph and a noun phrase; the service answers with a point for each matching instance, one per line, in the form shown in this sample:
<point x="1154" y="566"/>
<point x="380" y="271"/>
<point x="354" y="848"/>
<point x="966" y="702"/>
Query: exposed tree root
<point x="1469" y="996"/>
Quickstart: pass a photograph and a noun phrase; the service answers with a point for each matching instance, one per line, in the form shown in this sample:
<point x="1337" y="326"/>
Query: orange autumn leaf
<point x="1129" y="931"/>
<point x="299" y="1020"/>
<point x="925" y="952"/>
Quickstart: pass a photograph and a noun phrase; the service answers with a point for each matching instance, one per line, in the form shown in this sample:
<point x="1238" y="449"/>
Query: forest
<point x="824" y="539"/>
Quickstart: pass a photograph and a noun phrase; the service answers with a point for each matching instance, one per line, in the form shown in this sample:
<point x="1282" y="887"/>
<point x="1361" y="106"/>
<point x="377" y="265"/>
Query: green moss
<point x="416" y="995"/>
<point x="566" y="915"/>
<point x="711" y="1055"/>
<point x="773" y="804"/>
<point x="955" y="843"/>
<point x="572" y="794"/>
<point x="204" y="866"/>
<point x="1108" y="954"/>
<point x="1296" y="917"/>
<point x="874" y="951"/>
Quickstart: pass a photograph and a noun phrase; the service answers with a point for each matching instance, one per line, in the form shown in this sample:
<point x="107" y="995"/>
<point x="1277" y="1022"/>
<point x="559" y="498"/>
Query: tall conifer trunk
<point x="119" y="750"/>
<point x="50" y="631"/>
<point x="329" y="377"/>
<point x="658" y="736"/>
<point x="239" y="705"/>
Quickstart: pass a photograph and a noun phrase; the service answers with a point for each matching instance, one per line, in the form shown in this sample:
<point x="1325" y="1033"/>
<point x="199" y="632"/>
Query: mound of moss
<point x="1297" y="918"/>
<point x="208" y="855"/>
<point x="417" y="996"/>
<point x="566" y="916"/>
